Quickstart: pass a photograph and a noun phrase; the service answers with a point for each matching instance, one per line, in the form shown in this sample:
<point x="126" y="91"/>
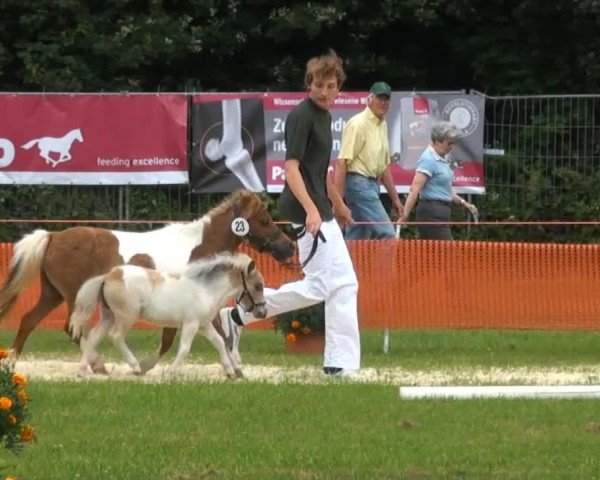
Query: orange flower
<point x="306" y="331"/>
<point x="295" y="324"/>
<point x="19" y="379"/>
<point x="291" y="337"/>
<point x="10" y="478"/>
<point x="11" y="420"/>
<point x="27" y="434"/>
<point x="22" y="394"/>
<point x="5" y="403"/>
<point x="3" y="354"/>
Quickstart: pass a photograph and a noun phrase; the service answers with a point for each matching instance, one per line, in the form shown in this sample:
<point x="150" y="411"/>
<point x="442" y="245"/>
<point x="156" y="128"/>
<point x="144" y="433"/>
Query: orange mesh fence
<point x="437" y="284"/>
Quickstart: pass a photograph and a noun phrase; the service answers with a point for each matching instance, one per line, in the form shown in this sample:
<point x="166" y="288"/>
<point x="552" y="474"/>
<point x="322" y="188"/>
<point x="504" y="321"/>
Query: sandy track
<point x="59" y="370"/>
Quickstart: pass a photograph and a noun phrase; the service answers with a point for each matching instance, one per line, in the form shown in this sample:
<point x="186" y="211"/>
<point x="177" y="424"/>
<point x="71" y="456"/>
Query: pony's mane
<point x="244" y="201"/>
<point x="216" y="264"/>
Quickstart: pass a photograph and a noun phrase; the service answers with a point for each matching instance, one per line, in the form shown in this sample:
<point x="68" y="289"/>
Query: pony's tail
<point x="26" y="262"/>
<point x="85" y="305"/>
<point x="30" y="144"/>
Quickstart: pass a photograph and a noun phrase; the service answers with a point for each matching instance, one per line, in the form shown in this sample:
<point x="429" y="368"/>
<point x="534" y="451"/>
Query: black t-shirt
<point x="308" y="139"/>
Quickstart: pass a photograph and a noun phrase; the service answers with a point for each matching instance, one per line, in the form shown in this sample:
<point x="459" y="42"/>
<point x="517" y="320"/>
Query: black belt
<point x="361" y="175"/>
<point x="447" y="203"/>
<point x="300" y="232"/>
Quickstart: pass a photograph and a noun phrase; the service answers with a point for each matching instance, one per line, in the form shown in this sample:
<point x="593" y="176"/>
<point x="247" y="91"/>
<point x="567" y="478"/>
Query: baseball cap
<point x="381" y="88"/>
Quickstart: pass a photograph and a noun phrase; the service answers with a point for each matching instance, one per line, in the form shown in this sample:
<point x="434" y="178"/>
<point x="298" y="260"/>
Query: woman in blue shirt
<point x="432" y="185"/>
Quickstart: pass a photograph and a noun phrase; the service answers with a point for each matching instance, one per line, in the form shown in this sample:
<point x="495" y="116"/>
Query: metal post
<point x="386" y="332"/>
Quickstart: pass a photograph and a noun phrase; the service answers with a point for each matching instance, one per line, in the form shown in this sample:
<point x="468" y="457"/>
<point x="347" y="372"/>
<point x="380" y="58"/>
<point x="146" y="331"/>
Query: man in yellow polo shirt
<point x="364" y="160"/>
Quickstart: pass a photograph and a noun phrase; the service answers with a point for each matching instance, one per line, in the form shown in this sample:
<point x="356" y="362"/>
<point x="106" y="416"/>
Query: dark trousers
<point x="434" y="211"/>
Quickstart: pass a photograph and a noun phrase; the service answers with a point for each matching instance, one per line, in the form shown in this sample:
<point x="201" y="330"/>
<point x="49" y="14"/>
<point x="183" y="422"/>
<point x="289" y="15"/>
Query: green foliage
<point x="302" y="322"/>
<point x="176" y="45"/>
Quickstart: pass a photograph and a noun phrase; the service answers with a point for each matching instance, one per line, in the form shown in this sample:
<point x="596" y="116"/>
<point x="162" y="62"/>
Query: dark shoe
<point x="340" y="372"/>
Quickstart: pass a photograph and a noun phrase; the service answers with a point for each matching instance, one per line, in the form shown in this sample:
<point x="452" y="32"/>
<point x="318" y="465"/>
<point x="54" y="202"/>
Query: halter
<point x="300" y="232"/>
<point x="261" y="244"/>
<point x="247" y="293"/>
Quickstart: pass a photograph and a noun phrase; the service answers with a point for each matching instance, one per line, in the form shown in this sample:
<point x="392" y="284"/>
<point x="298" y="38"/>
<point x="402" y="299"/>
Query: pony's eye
<point x="258" y="287"/>
<point x="264" y="223"/>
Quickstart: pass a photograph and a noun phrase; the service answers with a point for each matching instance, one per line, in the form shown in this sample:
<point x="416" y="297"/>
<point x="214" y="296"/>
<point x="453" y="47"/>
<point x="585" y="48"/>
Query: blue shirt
<point x="439" y="185"/>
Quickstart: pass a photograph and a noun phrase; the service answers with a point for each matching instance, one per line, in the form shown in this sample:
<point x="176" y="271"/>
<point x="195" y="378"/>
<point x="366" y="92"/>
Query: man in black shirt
<point x="309" y="200"/>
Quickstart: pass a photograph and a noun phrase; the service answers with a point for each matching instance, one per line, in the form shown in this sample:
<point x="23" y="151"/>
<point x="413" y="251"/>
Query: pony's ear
<point x="251" y="267"/>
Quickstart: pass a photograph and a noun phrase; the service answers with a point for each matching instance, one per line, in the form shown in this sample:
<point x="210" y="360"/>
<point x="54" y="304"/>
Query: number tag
<point x="240" y="227"/>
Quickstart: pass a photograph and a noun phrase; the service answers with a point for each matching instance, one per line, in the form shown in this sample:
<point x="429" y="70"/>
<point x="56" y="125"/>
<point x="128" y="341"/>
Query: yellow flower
<point x="22" y="394"/>
<point x="27" y="434"/>
<point x="10" y="478"/>
<point x="3" y="354"/>
<point x="5" y="403"/>
<point x="291" y="337"/>
<point x="19" y="379"/>
<point x="11" y="420"/>
<point x="295" y="324"/>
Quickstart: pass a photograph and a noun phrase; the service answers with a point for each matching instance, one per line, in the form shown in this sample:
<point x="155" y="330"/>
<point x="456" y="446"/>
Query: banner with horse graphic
<point x="92" y="139"/>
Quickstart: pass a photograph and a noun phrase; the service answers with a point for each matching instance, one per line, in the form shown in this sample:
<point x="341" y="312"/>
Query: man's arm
<point x="341" y="171"/>
<point x="388" y="182"/>
<point x="341" y="211"/>
<point x="293" y="177"/>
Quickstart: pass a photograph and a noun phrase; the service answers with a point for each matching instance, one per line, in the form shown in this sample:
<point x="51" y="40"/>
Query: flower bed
<point x="15" y="430"/>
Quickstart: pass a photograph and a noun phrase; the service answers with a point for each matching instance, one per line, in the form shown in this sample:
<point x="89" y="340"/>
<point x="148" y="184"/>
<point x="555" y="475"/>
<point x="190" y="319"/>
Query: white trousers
<point x="329" y="276"/>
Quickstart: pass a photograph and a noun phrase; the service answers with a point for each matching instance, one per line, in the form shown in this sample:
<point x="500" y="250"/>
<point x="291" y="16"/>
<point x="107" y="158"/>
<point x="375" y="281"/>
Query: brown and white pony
<point x="66" y="259"/>
<point x="188" y="301"/>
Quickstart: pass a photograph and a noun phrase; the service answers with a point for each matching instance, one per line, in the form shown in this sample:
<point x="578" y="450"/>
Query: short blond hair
<point x="325" y="66"/>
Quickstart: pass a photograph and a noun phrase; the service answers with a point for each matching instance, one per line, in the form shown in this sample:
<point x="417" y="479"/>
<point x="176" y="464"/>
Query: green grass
<point x="125" y="430"/>
<point x="254" y="431"/>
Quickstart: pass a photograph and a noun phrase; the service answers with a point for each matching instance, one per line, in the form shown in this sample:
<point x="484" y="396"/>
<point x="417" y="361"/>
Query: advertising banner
<point x="238" y="138"/>
<point x="409" y="125"/>
<point x="93" y="139"/>
<point x="228" y="142"/>
<point x="278" y="105"/>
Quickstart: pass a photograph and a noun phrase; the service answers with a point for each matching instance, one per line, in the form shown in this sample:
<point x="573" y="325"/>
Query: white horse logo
<point x="61" y="145"/>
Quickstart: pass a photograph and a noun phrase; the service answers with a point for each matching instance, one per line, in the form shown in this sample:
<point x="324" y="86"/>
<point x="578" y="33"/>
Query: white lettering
<point x="279" y="145"/>
<point x="338" y="125"/>
<point x="287" y="101"/>
<point x="279" y="125"/>
<point x="113" y="162"/>
<point x="154" y="161"/>
<point x="277" y="172"/>
<point x="8" y="152"/>
<point x="336" y="145"/>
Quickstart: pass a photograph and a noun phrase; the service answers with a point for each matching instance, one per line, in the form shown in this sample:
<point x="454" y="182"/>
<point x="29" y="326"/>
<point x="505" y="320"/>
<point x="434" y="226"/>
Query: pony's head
<point x="262" y="233"/>
<point x="247" y="281"/>
<point x="252" y="295"/>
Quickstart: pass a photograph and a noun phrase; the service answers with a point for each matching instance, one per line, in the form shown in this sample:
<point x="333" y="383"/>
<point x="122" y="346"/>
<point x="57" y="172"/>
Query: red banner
<point x="93" y="139"/>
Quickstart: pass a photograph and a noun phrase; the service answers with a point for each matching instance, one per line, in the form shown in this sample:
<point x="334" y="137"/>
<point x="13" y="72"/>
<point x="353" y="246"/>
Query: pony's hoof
<point x="138" y="372"/>
<point x="146" y="365"/>
<point x="238" y="373"/>
<point x="99" y="369"/>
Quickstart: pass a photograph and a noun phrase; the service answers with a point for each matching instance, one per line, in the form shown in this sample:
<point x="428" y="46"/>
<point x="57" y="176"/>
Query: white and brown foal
<point x="188" y="301"/>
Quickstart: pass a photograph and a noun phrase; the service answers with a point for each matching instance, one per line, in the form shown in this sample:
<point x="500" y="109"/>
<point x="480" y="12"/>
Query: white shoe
<point x="231" y="333"/>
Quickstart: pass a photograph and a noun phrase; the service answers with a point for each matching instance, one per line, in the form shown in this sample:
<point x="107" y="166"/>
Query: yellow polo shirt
<point x="365" y="144"/>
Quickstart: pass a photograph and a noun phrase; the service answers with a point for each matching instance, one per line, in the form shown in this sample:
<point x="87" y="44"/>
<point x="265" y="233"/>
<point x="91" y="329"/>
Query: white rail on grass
<point x="500" y="391"/>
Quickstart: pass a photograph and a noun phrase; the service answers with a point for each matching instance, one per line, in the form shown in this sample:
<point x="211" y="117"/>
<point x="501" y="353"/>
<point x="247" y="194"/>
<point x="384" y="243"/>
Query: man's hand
<point x="403" y="219"/>
<point x="397" y="211"/>
<point x="313" y="221"/>
<point x="343" y="215"/>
